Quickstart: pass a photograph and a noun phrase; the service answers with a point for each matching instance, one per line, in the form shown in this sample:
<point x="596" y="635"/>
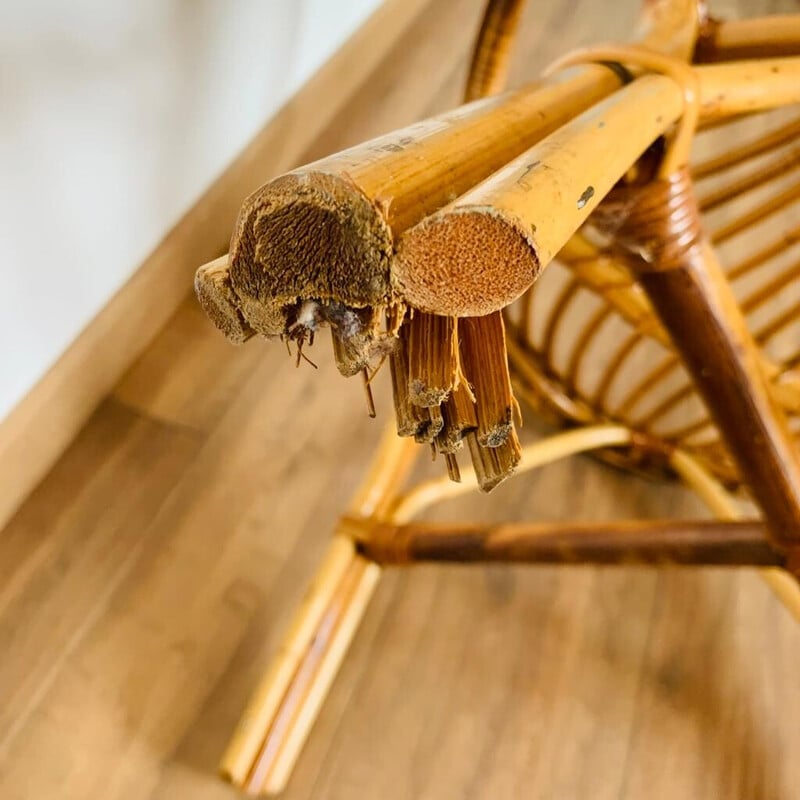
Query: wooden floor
<point x="146" y="582"/>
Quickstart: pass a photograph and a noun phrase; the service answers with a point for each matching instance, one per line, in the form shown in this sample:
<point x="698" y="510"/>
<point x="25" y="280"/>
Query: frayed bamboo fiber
<point x="432" y="358"/>
<point x="460" y="418"/>
<point x="412" y="419"/>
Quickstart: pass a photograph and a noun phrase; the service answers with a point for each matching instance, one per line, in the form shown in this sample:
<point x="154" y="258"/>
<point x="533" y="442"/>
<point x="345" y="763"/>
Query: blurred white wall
<point x="113" y="118"/>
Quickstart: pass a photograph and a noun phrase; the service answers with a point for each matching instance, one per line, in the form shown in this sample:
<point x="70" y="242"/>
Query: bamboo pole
<point x="300" y="674"/>
<point x="352" y="204"/>
<point x="745" y="87"/>
<point x="644" y="542"/>
<point x="707" y="328"/>
<point x="313" y="679"/>
<point x="761" y="37"/>
<point x="325" y="230"/>
<point x="493" y="241"/>
<point x="491" y="54"/>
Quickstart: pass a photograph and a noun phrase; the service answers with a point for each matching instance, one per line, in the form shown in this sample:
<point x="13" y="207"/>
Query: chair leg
<point x="282" y="710"/>
<point x="688" y="290"/>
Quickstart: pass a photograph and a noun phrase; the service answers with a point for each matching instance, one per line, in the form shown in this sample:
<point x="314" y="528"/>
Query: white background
<point x="113" y="118"/>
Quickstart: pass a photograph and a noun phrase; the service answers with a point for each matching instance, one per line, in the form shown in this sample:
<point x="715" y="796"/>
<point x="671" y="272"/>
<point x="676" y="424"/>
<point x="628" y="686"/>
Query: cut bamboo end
<point x="486" y="248"/>
<point x="308" y="236"/>
<point x="493" y="465"/>
<point x="466" y="263"/>
<point x="213" y="286"/>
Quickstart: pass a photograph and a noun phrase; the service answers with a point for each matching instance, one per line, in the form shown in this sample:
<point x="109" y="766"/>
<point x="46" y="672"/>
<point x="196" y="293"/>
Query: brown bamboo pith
<point x="213" y="286"/>
<point x="645" y="542"/>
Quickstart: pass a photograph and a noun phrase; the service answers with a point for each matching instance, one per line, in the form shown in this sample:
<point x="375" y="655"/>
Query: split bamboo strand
<point x="485" y="364"/>
<point x="433" y="360"/>
<point x="460" y="418"/>
<point x="412" y="419"/>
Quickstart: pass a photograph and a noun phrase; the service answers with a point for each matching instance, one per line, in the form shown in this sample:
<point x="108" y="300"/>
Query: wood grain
<point x="47" y="419"/>
<point x="149" y="579"/>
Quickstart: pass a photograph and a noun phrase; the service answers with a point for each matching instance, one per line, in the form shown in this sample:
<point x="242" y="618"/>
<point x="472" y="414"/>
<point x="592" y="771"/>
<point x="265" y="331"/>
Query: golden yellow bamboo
<point x="325" y="231"/>
<point x="611" y="280"/>
<point x="492" y="242"/>
<point x="744" y="87"/>
<point x="249" y="735"/>
<point x="353" y="605"/>
<point x="355" y="203"/>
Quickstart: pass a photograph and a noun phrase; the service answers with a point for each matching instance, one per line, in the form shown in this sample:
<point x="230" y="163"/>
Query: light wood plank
<point x="47" y="419"/>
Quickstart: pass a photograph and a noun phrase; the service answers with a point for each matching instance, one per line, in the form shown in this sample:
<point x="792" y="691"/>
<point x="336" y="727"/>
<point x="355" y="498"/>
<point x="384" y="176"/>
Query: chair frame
<point x="694" y="311"/>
